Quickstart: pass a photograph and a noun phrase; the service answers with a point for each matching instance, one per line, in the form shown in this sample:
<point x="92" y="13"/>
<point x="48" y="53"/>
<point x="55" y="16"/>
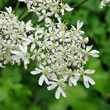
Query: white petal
<point x="70" y="83"/>
<point x="41" y="66"/>
<point x="94" y="53"/>
<point x="79" y="24"/>
<point x="25" y="66"/>
<point x="47" y="20"/>
<point x="1" y="66"/>
<point x="62" y="11"/>
<point x="46" y="80"/>
<point x="23" y="48"/>
<point x="51" y="87"/>
<point x="91" y="81"/>
<point x="26" y="61"/>
<point x="86" y="40"/>
<point x="74" y="81"/>
<point x="9" y="9"/>
<point x="85" y="80"/>
<point x="37" y="71"/>
<point x="62" y="92"/>
<point x="40" y="18"/>
<point x="82" y="32"/>
<point x="89" y="71"/>
<point x="88" y="48"/>
<point x="57" y="94"/>
<point x="41" y="80"/>
<point x="15" y="57"/>
<point x="73" y="28"/>
<point x="21" y="0"/>
<point x="32" y="47"/>
<point x="16" y="52"/>
<point x="68" y="8"/>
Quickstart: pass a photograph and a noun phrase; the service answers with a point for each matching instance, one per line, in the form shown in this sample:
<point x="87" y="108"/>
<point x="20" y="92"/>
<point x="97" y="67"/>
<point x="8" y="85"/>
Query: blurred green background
<point x="19" y="89"/>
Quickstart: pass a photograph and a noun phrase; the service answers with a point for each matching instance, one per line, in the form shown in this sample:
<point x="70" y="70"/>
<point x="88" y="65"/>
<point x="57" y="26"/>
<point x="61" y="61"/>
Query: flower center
<point x="27" y="54"/>
<point x="82" y="72"/>
<point x="44" y="71"/>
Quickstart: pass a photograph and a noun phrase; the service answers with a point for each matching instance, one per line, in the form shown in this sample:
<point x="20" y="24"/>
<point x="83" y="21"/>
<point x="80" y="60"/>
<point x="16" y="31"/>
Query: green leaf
<point x="13" y="73"/>
<point x="3" y="94"/>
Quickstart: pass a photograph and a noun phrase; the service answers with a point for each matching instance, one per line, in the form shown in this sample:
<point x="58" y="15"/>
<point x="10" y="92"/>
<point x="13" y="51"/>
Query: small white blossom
<point x="103" y="3"/>
<point x="44" y="9"/>
<point x="1" y="66"/>
<point x="61" y="86"/>
<point x="60" y="53"/>
<point x="13" y="36"/>
<point x="86" y="79"/>
<point x="63" y="54"/>
<point x="23" y="54"/>
<point x="43" y="77"/>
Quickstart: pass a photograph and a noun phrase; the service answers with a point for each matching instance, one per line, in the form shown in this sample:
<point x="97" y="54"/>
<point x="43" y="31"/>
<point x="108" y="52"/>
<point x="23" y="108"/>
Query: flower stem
<point x="26" y="16"/>
<point x="17" y="5"/>
<point x="78" y="4"/>
<point x="22" y="13"/>
<point x="3" y="1"/>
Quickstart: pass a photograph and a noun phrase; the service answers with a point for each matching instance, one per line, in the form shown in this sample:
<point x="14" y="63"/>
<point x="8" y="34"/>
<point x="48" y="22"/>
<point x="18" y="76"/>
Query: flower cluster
<point x="103" y="3"/>
<point x="61" y="54"/>
<point x="44" y="9"/>
<point x="13" y="38"/>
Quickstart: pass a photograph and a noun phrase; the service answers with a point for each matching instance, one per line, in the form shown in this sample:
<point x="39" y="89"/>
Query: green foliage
<point x="19" y="89"/>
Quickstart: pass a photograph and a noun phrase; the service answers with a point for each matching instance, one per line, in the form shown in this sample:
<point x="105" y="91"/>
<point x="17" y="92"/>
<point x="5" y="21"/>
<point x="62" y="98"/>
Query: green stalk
<point x="16" y="8"/>
<point x="78" y="4"/>
<point x="26" y="16"/>
<point x="22" y="13"/>
<point x="3" y="1"/>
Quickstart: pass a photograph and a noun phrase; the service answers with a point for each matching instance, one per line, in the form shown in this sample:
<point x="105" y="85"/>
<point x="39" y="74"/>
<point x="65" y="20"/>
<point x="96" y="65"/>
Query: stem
<point x="17" y="5"/>
<point x="78" y="4"/>
<point x="38" y="23"/>
<point x="3" y="1"/>
<point x="22" y="13"/>
<point x="26" y="16"/>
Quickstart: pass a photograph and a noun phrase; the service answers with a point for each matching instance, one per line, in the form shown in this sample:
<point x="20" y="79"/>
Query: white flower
<point x="77" y="30"/>
<point x="23" y="54"/>
<point x="15" y="33"/>
<point x="44" y="9"/>
<point x="43" y="77"/>
<point x="45" y="15"/>
<point x="29" y="26"/>
<point x="87" y="79"/>
<point x="73" y="78"/>
<point x="37" y="54"/>
<point x="65" y="7"/>
<point x="103" y="3"/>
<point x="93" y="53"/>
<point x="61" y="85"/>
<point x="1" y="66"/>
<point x="9" y="10"/>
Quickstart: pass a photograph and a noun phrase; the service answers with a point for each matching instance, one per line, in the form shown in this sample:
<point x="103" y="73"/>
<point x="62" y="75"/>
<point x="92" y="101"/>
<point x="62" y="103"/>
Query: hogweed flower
<point x="14" y="38"/>
<point x="44" y="9"/>
<point x="63" y="53"/>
